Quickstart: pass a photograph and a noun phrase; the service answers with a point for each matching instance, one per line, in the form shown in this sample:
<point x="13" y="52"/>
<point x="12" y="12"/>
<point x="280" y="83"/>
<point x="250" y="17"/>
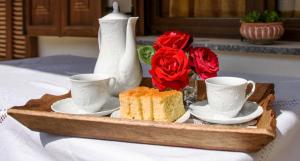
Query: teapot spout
<point x="130" y="36"/>
<point x="130" y="72"/>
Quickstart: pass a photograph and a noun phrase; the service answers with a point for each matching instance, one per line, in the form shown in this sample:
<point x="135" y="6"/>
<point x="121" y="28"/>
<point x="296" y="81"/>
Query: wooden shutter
<point x="3" y="29"/>
<point x="18" y="40"/>
<point x="14" y="43"/>
<point x="22" y="45"/>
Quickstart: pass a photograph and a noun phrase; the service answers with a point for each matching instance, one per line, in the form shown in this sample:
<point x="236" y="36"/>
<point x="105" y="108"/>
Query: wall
<point x="282" y="65"/>
<point x="229" y="61"/>
<point x="79" y="46"/>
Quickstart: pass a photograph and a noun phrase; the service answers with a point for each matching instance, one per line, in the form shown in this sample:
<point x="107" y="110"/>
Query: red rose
<point x="204" y="62"/>
<point x="176" y="40"/>
<point x="169" y="69"/>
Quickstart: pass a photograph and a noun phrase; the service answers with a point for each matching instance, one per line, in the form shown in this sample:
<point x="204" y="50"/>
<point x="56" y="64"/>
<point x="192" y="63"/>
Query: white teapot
<point x="118" y="56"/>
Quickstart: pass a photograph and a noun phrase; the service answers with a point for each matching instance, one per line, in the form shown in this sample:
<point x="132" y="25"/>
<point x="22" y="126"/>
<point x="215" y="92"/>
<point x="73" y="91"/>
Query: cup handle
<point x="252" y="90"/>
<point x="112" y="85"/>
<point x="114" y="81"/>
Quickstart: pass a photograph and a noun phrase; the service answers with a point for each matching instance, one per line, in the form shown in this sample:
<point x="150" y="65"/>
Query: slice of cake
<point x="144" y="103"/>
<point x="168" y="106"/>
<point x="147" y="104"/>
<point x="127" y="99"/>
<point x="135" y="105"/>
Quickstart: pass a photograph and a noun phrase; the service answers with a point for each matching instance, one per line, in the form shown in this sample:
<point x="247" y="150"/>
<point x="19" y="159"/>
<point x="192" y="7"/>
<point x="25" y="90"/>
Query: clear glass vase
<point x="190" y="92"/>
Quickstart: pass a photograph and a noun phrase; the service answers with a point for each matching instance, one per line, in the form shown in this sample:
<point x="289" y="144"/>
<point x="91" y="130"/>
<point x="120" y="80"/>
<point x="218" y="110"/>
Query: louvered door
<point x="3" y="29"/>
<point x="22" y="45"/>
<point x="13" y="42"/>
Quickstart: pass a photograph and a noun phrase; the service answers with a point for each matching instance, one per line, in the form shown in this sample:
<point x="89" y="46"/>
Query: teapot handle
<point x="99" y="38"/>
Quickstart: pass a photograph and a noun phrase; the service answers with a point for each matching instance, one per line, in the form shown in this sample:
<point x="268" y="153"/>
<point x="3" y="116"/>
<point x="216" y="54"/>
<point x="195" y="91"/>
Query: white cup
<point x="227" y="95"/>
<point x="90" y="91"/>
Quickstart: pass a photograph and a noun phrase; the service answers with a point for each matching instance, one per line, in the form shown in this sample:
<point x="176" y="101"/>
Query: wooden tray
<point x="37" y="115"/>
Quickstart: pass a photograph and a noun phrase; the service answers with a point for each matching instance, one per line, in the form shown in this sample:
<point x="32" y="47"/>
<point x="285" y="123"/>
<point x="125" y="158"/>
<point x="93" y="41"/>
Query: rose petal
<point x="170" y="69"/>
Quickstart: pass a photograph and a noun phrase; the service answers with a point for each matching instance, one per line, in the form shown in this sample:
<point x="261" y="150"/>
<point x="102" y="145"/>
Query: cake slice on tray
<point x="167" y="106"/>
<point x="143" y="103"/>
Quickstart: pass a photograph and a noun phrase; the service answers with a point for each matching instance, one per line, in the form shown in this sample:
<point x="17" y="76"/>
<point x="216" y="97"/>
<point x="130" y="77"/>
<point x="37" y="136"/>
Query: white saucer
<point x="182" y="119"/>
<point x="68" y="107"/>
<point x="250" y="111"/>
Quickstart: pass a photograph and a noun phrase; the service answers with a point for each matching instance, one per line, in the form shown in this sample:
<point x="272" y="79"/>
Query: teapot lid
<point x="116" y="14"/>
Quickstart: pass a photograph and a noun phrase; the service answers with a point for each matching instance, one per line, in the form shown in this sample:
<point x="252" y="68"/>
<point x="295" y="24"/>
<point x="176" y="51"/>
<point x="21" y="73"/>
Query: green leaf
<point x="266" y="16"/>
<point x="252" y="17"/>
<point x="145" y="53"/>
<point x="271" y="16"/>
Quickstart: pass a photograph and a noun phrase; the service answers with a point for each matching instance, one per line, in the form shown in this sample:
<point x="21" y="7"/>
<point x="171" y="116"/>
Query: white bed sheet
<point x="26" y="79"/>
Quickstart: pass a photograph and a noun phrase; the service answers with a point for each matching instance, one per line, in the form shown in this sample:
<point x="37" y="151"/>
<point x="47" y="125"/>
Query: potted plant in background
<point x="176" y="64"/>
<point x="262" y="28"/>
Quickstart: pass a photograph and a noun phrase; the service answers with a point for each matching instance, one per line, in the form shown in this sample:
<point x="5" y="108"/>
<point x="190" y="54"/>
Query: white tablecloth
<point x="26" y="79"/>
